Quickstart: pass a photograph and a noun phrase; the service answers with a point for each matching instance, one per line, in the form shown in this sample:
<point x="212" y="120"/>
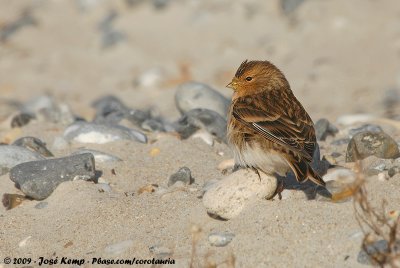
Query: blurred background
<point x="339" y="56"/>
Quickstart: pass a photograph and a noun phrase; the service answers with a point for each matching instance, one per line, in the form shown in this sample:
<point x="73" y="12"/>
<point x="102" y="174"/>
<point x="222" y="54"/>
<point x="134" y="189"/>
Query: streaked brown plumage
<point x="268" y="128"/>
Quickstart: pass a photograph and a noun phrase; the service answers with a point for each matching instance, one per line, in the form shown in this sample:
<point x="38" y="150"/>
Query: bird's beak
<point x="232" y="85"/>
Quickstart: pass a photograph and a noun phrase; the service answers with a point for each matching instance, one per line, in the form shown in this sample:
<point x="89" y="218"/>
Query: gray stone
<point x="41" y="205"/>
<point x="38" y="179"/>
<point x="194" y="95"/>
<point x="323" y="129"/>
<point x="289" y="6"/>
<point x="393" y="171"/>
<point x="183" y="175"/>
<point x="33" y="144"/>
<point x="11" y="155"/>
<point x="365" y="128"/>
<point x="196" y="119"/>
<point x="220" y="239"/>
<point x="45" y="108"/>
<point x="109" y="35"/>
<point x="99" y="157"/>
<point x="153" y="125"/>
<point x="368" y="143"/>
<point x="84" y="132"/>
<point x="160" y="251"/>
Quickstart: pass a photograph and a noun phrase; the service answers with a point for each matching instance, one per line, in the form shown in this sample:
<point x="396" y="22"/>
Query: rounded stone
<point x="194" y="95"/>
<point x="229" y="196"/>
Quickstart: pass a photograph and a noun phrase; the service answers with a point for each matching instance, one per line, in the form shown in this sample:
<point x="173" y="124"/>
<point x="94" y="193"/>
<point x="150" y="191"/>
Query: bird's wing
<point x="277" y="120"/>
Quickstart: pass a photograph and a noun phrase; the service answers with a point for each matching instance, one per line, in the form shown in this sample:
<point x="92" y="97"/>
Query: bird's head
<point x="257" y="76"/>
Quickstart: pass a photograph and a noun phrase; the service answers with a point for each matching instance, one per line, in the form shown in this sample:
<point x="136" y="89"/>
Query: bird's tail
<point x="304" y="171"/>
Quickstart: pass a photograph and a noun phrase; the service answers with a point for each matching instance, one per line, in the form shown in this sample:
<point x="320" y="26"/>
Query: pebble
<point x="33" y="144"/>
<point x="99" y="157"/>
<point x="24" y="242"/>
<point x="196" y="119"/>
<point x="393" y="171"/>
<point x="289" y="6"/>
<point x="118" y="248"/>
<point x="229" y="196"/>
<point x="153" y="125"/>
<point x="41" y="205"/>
<point x="104" y="187"/>
<point x="110" y="110"/>
<point x="378" y="249"/>
<point x="84" y="132"/>
<point x="150" y="78"/>
<point x="220" y="239"/>
<point x="194" y="95"/>
<point x="21" y="120"/>
<point x="183" y="175"/>
<point x="11" y="155"/>
<point x="38" y="179"/>
<point x="368" y="143"/>
<point x="365" y="128"/>
<point x="45" y="109"/>
<point x="110" y="36"/>
<point x="323" y="129"/>
<point x="160" y="251"/>
<point x="11" y="201"/>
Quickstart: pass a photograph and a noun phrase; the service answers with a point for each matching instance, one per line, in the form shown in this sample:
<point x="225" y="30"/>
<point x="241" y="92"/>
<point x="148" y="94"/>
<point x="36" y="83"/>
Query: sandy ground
<point x="339" y="56"/>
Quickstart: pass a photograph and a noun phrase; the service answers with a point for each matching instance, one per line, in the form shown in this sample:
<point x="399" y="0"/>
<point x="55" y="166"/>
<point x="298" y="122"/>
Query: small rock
<point x="104" y="187"/>
<point x="33" y="144"/>
<point x="21" y="120"/>
<point x="205" y="119"/>
<point x="365" y="128"/>
<point x="110" y="110"/>
<point x="38" y="179"/>
<point x="323" y="129"/>
<point x="391" y="102"/>
<point x="220" y="239"/>
<point x="118" y="248"/>
<point x="110" y="36"/>
<point x="153" y="125"/>
<point x="368" y="143"/>
<point x="373" y="165"/>
<point x="45" y="108"/>
<point x="289" y="6"/>
<point x="393" y="171"/>
<point x="11" y="155"/>
<point x="183" y="175"/>
<point x="41" y="205"/>
<point x="150" y="78"/>
<point x="229" y="196"/>
<point x="99" y="157"/>
<point x="24" y="242"/>
<point x="193" y="95"/>
<point x="97" y="133"/>
<point x="378" y="249"/>
<point x="160" y="251"/>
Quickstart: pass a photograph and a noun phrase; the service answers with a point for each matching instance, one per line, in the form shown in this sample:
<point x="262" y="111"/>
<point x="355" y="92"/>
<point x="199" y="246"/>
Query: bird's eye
<point x="249" y="78"/>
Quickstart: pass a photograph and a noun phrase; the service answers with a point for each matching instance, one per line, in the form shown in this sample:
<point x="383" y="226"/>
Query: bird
<point x="268" y="129"/>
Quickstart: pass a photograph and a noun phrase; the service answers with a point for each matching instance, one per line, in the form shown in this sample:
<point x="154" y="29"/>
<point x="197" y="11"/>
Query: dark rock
<point x="365" y="128"/>
<point x="184" y="175"/>
<point x="323" y="129"/>
<point x="206" y="119"/>
<point x="153" y="125"/>
<point x="110" y="36"/>
<point x="368" y="143"/>
<point x="193" y="95"/>
<point x="38" y="179"/>
<point x="393" y="171"/>
<point x="21" y="120"/>
<point x="33" y="144"/>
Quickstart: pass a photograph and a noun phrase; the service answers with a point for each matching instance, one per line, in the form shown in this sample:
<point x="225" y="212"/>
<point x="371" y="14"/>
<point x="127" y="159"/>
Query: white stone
<point x="229" y="196"/>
